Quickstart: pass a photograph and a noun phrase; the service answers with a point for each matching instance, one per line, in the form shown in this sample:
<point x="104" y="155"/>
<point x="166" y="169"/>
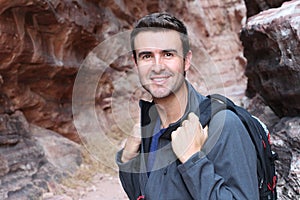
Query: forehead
<point x="158" y="40"/>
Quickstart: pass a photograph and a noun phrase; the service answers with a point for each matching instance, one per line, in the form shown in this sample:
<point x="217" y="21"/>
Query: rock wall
<point x="44" y="44"/>
<point x="26" y="167"/>
<point x="286" y="141"/>
<point x="256" y="6"/>
<point x="271" y="46"/>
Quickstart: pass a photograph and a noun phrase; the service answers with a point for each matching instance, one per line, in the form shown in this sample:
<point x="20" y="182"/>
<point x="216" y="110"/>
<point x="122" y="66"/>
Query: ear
<point x="188" y="60"/>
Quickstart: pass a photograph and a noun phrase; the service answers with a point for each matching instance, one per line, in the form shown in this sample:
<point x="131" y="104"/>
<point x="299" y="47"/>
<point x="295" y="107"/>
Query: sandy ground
<point x="100" y="186"/>
<point x="105" y="187"/>
<point x="92" y="181"/>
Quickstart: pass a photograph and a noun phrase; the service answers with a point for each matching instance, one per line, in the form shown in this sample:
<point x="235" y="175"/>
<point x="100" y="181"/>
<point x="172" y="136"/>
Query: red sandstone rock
<point x="45" y="42"/>
<point x="256" y="6"/>
<point x="271" y="40"/>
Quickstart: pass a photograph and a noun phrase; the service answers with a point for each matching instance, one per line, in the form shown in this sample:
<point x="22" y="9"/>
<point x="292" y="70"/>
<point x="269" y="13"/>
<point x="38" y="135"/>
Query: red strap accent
<point x="271" y="187"/>
<point x="264" y="144"/>
<point x="140" y="197"/>
<point x="269" y="137"/>
<point x="274" y="181"/>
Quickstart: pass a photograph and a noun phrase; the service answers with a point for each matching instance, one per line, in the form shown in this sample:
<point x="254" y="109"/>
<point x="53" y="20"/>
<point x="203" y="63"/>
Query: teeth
<point x="159" y="79"/>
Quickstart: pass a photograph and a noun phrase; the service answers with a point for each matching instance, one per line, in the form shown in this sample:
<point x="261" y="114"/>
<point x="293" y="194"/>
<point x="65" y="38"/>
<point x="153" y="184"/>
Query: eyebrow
<point x="169" y="50"/>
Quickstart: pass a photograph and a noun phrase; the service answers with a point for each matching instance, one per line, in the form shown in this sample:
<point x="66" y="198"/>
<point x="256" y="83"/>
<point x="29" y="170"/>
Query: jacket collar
<point x="149" y="113"/>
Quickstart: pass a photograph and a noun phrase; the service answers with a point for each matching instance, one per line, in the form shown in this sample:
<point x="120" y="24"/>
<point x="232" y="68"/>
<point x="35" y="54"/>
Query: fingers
<point x="176" y="133"/>
<point x="136" y="130"/>
<point x="193" y="117"/>
<point x="132" y="144"/>
<point x="205" y="132"/>
<point x="189" y="138"/>
<point x="135" y="136"/>
<point x="185" y="123"/>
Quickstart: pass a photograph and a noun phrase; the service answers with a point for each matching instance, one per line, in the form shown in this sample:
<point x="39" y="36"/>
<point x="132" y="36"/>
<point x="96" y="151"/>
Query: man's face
<point x="160" y="62"/>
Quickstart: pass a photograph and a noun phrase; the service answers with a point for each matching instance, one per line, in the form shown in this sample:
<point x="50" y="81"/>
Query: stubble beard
<point x="165" y="91"/>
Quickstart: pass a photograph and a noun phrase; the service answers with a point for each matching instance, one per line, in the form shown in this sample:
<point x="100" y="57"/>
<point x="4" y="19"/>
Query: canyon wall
<point x="271" y="46"/>
<point x="47" y="45"/>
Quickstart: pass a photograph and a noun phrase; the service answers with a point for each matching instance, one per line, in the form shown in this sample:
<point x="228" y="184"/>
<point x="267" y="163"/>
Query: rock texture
<point x="256" y="6"/>
<point x="271" y="46"/>
<point x="25" y="170"/>
<point x="286" y="141"/>
<point x="285" y="133"/>
<point x="61" y="152"/>
<point x="44" y="44"/>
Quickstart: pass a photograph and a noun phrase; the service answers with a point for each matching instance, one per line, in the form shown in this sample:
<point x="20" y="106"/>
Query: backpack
<point x="260" y="137"/>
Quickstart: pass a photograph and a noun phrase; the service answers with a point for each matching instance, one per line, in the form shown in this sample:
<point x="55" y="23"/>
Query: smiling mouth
<point x="160" y="80"/>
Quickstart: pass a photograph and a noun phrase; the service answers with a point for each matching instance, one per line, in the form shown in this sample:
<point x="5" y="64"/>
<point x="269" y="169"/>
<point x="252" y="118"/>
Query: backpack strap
<point x="209" y="107"/>
<point x="265" y="158"/>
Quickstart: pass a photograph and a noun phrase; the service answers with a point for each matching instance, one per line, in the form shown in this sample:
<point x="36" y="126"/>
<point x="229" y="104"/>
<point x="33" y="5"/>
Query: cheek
<point x="142" y="71"/>
<point x="178" y="66"/>
<point x="178" y="61"/>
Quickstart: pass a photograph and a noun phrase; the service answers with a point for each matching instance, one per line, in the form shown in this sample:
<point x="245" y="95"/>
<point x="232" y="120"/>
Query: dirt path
<point x="105" y="187"/>
<point x="99" y="187"/>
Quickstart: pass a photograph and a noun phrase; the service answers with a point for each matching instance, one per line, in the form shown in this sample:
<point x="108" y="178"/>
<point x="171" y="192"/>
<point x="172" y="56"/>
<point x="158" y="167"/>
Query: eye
<point x="168" y="55"/>
<point x="146" y="56"/>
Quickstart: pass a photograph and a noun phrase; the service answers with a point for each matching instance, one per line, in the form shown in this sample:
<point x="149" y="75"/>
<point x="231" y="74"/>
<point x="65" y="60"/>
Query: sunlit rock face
<point x="45" y="42"/>
<point x="43" y="47"/>
<point x="271" y="45"/>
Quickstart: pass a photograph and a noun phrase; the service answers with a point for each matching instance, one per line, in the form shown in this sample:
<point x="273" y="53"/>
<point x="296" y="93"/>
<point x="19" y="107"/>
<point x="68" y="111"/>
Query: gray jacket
<point x="224" y="169"/>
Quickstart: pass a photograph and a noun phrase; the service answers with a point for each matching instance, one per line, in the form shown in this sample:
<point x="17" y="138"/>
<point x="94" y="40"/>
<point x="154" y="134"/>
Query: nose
<point x="158" y="65"/>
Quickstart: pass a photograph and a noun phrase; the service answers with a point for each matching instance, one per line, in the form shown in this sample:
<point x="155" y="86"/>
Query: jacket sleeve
<point x="226" y="167"/>
<point x="129" y="176"/>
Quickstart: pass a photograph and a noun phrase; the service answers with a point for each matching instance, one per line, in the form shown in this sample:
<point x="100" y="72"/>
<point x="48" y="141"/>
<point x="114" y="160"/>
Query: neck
<point x="172" y="108"/>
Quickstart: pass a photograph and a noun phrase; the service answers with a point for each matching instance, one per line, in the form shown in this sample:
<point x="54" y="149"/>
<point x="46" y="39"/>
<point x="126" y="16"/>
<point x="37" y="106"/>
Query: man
<point x="170" y="156"/>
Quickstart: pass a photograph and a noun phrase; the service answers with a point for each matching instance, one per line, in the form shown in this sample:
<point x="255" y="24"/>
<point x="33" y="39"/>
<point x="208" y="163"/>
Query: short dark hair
<point x="160" y="21"/>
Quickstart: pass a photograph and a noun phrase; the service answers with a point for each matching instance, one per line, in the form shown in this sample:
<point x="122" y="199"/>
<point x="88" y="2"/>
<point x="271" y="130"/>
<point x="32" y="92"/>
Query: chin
<point x="159" y="92"/>
<point x="160" y="95"/>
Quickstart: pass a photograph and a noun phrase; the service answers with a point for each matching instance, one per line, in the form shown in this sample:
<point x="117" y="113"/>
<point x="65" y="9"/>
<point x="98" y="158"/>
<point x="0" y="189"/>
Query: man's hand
<point x="132" y="144"/>
<point x="189" y="138"/>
